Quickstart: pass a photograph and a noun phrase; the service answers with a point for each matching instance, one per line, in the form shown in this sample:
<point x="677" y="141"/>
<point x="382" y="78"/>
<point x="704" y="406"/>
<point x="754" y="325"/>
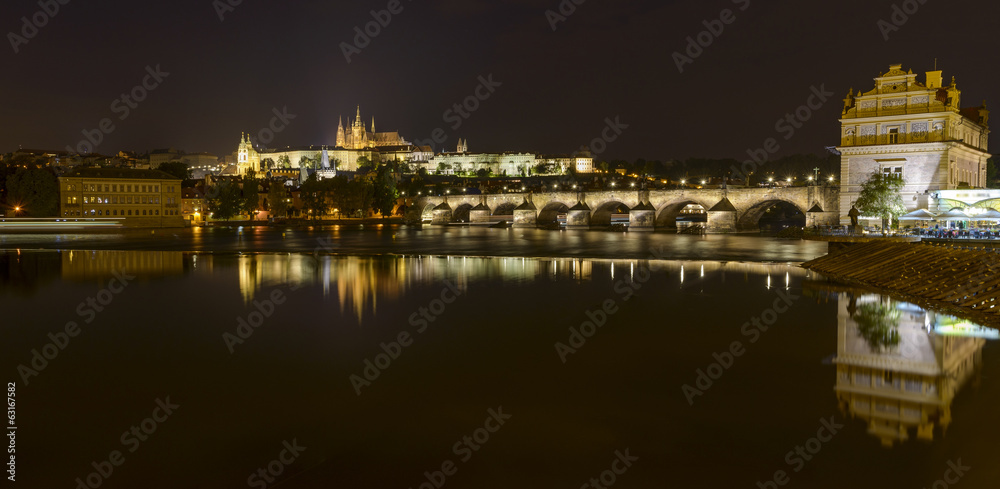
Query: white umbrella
<point x="918" y="215"/>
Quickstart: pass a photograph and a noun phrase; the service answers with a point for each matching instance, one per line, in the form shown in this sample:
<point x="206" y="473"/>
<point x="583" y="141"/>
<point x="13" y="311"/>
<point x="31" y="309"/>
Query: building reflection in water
<point x="899" y="366"/>
<point x="359" y="283"/>
<point x="97" y="265"/>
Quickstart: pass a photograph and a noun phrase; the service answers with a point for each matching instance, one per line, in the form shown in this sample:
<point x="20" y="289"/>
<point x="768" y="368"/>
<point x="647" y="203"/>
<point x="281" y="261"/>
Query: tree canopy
<point x="35" y="191"/>
<point x="880" y="197"/>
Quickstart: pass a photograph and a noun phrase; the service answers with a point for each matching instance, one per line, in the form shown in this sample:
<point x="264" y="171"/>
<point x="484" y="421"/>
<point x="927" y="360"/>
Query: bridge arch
<point x="601" y="216"/>
<point x="504" y="209"/>
<point x="461" y="213"/>
<point x="550" y="213"/>
<point x="428" y="213"/>
<point x="749" y="219"/>
<point x="666" y="214"/>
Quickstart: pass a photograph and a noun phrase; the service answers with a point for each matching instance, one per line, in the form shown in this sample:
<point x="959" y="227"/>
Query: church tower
<point x="359" y="135"/>
<point x="247" y="157"/>
<point x="341" y="135"/>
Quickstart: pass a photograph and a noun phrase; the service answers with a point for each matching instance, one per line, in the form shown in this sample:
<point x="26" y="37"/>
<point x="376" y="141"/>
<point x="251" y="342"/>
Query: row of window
<point x="125" y="199"/>
<point x="117" y="213"/>
<point x="90" y="187"/>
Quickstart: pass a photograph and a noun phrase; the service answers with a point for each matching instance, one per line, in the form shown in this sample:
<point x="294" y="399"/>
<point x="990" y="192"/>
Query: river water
<point x="478" y="358"/>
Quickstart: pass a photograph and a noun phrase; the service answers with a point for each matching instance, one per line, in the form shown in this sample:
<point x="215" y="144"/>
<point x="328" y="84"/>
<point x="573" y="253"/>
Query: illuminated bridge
<point x="729" y="210"/>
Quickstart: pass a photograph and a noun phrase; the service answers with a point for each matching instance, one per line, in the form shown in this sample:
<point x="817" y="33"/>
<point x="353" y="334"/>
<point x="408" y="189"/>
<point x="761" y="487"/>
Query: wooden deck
<point x="965" y="282"/>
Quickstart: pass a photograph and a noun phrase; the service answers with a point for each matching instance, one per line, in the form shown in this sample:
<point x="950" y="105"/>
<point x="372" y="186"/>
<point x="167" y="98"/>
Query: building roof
<point x="120" y="173"/>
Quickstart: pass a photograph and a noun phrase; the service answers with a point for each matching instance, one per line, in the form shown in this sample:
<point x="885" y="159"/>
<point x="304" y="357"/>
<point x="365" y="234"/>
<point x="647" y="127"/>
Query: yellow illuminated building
<point x="139" y="198"/>
<point x="917" y="130"/>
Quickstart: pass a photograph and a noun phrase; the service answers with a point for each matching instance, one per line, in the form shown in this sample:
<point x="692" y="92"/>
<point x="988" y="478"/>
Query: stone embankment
<point x="965" y="282"/>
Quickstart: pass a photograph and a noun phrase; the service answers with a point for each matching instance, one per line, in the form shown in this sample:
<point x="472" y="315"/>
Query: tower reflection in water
<point x="899" y="366"/>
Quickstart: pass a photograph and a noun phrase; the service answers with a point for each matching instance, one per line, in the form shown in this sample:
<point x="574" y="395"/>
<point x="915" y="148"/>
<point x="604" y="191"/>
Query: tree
<point x="384" y="191"/>
<point x="483" y="173"/>
<point x="226" y="202"/>
<point x="284" y="162"/>
<point x="878" y="324"/>
<point x="314" y="194"/>
<point x="276" y="200"/>
<point x="251" y="199"/>
<point x="176" y="168"/>
<point x="35" y="191"/>
<point x="880" y="197"/>
<point x="267" y="164"/>
<point x="991" y="172"/>
<point x="365" y="164"/>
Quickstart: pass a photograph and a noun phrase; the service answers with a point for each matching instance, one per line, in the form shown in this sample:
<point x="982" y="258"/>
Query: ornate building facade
<point x="915" y="130"/>
<point x="357" y="136"/>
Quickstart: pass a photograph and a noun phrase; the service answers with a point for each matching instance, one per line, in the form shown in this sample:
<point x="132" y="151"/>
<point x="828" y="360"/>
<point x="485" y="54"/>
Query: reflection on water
<point x="900" y="366"/>
<point x="359" y="283"/>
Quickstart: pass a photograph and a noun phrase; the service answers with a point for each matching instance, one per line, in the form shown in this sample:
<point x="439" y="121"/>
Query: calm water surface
<point x="876" y="393"/>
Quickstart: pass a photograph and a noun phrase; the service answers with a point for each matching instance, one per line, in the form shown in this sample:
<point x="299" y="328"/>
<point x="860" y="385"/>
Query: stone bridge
<point x="729" y="210"/>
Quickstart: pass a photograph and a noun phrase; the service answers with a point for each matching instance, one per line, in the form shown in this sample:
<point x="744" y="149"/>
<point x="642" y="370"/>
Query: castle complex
<point x="915" y="130"/>
<point x="356" y="142"/>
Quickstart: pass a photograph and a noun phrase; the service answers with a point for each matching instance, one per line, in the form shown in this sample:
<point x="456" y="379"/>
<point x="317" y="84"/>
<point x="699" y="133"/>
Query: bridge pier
<point x="721" y="218"/>
<point x="526" y="215"/>
<point x="578" y="216"/>
<point x="479" y="214"/>
<point x="817" y="217"/>
<point x="442" y="214"/>
<point x="642" y="217"/>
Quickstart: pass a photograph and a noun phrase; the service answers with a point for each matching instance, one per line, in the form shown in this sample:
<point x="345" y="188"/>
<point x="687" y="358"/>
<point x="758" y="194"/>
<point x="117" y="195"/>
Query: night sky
<point x="607" y="59"/>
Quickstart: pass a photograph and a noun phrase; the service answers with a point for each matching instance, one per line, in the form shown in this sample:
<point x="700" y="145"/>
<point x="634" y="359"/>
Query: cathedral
<point x="359" y="137"/>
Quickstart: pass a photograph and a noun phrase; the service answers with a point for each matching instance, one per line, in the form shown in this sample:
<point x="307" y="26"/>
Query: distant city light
<point x="831" y="179"/>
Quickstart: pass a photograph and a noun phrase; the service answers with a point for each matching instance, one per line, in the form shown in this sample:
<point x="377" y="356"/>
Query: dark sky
<point x="609" y="58"/>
